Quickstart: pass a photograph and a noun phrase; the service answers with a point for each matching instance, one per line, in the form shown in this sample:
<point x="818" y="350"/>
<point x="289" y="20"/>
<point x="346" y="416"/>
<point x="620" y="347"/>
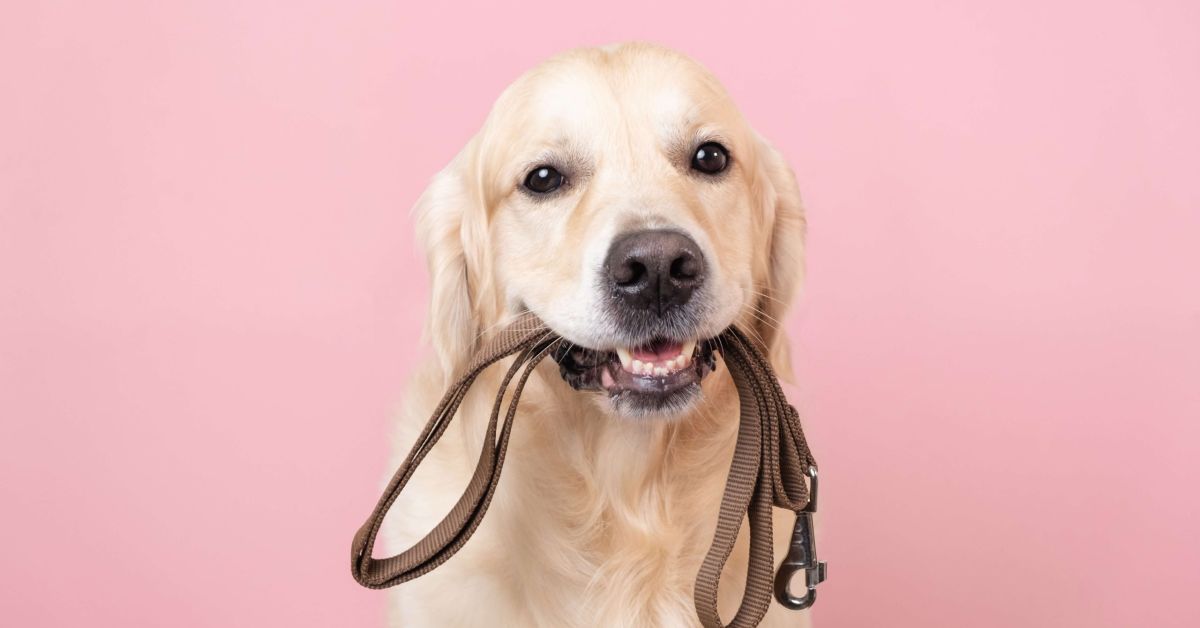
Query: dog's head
<point x="619" y="195"/>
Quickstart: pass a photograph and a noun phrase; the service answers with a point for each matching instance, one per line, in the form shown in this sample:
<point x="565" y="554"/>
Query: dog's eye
<point x="543" y="180"/>
<point x="710" y="158"/>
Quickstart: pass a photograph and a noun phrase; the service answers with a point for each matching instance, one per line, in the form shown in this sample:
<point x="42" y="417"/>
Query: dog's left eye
<point x="710" y="158"/>
<point x="543" y="180"/>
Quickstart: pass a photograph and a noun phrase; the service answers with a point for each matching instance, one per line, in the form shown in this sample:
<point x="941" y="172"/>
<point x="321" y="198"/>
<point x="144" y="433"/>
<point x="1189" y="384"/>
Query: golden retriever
<point x="617" y="193"/>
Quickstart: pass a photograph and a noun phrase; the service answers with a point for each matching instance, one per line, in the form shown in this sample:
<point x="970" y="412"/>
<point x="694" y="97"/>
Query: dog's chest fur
<point x="596" y="522"/>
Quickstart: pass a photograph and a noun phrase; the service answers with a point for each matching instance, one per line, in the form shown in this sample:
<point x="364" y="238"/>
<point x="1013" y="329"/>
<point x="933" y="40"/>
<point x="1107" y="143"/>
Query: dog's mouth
<point x="662" y="375"/>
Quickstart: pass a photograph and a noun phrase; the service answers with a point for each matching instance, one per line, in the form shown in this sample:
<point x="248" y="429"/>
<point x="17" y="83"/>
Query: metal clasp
<point x="802" y="555"/>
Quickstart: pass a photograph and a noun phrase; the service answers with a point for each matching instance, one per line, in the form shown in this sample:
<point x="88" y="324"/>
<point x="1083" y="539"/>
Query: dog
<point x="618" y="194"/>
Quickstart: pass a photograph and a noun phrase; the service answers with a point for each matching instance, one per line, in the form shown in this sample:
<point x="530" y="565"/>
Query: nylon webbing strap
<point x="770" y="463"/>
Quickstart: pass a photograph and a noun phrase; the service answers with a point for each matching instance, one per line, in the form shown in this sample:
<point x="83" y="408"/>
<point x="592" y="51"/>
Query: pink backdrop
<point x="209" y="296"/>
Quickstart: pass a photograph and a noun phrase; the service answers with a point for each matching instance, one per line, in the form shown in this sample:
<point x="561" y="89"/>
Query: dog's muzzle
<point x="659" y="376"/>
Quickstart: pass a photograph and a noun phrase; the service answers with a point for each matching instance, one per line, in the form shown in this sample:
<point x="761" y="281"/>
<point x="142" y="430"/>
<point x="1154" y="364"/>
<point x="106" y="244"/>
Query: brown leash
<point x="771" y="461"/>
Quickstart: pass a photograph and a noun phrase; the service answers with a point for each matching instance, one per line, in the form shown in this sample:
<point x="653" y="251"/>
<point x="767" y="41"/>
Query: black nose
<point x="654" y="270"/>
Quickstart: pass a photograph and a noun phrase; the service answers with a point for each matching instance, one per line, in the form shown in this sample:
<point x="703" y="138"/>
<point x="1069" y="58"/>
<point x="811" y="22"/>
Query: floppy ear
<point x="446" y="217"/>
<point x="785" y="266"/>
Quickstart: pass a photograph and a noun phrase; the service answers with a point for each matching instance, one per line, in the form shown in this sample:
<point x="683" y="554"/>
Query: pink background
<point x="209" y="296"/>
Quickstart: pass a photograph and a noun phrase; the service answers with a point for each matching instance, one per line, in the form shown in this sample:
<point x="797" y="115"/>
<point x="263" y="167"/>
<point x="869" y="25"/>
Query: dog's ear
<point x="447" y="215"/>
<point x="784" y="275"/>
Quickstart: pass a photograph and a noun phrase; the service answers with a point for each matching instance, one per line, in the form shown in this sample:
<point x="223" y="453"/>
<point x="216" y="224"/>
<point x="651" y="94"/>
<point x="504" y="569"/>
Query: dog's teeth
<point x="660" y="371"/>
<point x="688" y="348"/>
<point x="626" y="359"/>
<point x="684" y="360"/>
<point x="636" y="366"/>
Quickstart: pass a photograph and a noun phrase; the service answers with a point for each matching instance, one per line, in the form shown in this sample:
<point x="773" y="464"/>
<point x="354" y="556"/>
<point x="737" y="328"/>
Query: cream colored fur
<point x="599" y="520"/>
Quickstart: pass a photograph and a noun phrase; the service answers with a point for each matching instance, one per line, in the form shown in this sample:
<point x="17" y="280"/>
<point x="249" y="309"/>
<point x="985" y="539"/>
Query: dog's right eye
<point x="543" y="180"/>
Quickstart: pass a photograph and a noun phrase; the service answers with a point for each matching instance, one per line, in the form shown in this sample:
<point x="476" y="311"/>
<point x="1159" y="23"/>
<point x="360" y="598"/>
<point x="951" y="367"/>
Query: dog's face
<point x="620" y="196"/>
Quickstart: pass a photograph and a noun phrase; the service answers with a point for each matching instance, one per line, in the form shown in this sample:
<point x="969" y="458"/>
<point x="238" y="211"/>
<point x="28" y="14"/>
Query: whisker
<point x="757" y="336"/>
<point x="766" y="317"/>
<point x="765" y="320"/>
<point x="767" y="296"/>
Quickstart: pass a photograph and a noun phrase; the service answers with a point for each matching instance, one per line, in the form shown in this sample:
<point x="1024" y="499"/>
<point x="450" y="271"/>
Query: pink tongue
<point x="657" y="352"/>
